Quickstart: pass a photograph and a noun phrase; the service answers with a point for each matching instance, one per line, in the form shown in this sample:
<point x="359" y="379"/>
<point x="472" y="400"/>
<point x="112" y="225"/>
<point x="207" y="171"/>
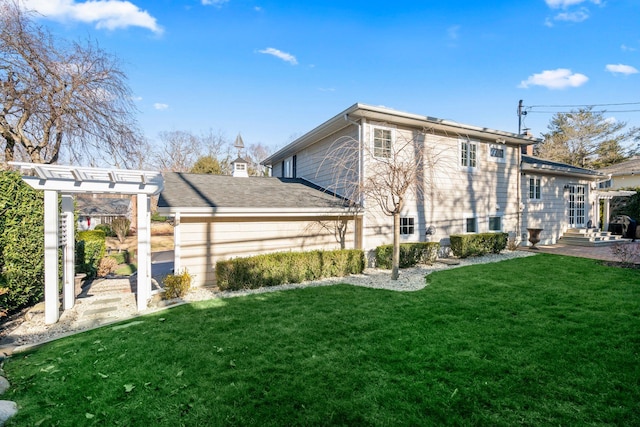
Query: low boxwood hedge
<point x="90" y="249"/>
<point x="466" y="245"/>
<point x="410" y="254"/>
<point x="286" y="267"/>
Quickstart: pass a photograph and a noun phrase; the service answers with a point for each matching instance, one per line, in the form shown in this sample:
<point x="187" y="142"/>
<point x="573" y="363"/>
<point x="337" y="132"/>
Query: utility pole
<point x="521" y="113"/>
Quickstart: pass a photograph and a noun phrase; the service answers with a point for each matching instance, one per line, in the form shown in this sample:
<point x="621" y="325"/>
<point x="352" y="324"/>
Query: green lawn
<point x="544" y="340"/>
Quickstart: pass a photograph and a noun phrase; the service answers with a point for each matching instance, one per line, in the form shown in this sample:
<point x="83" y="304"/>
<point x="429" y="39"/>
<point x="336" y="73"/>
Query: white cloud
<point x="579" y="16"/>
<point x="626" y="48"/>
<point x="555" y="79"/>
<point x="108" y="14"/>
<point x="217" y="3"/>
<point x="563" y="4"/>
<point x="621" y="69"/>
<point x="280" y="54"/>
<point x="160" y="106"/>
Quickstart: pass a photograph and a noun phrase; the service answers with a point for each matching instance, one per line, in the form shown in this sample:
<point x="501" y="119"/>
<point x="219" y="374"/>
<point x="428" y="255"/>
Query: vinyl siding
<point x="204" y="241"/>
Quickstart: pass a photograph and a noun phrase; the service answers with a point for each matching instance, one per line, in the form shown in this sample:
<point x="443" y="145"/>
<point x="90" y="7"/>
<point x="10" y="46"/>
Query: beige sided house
<point x="622" y="175"/>
<point x="477" y="179"/>
<point x="221" y="217"/>
<point x="474" y="184"/>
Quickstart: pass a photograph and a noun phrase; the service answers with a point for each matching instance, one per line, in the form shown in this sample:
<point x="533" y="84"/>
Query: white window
<point x="605" y="184"/>
<point x="534" y="188"/>
<point x="468" y="154"/>
<point x="495" y="223"/>
<point x="407" y="225"/>
<point x="240" y="166"/>
<point x="471" y="225"/>
<point x="288" y="169"/>
<point x="382" y="140"/>
<point x="497" y="152"/>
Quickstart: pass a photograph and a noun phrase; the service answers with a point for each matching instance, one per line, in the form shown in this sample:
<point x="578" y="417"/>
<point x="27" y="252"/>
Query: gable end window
<point x="468" y="154"/>
<point x="382" y="139"/>
<point x="407" y="225"/>
<point x="534" y="189"/>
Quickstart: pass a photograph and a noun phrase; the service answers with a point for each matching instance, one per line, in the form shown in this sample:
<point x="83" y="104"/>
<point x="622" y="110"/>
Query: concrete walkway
<point x="604" y="253"/>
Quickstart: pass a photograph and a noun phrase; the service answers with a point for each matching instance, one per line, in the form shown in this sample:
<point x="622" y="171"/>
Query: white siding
<point x="204" y="241"/>
<point x="551" y="212"/>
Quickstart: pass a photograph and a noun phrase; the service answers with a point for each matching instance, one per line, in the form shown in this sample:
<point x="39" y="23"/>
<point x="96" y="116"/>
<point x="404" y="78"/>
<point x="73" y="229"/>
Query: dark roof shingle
<point x="221" y="191"/>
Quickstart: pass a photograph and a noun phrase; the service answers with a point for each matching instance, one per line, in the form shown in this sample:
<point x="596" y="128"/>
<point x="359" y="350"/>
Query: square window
<point x="472" y="225"/>
<point x="534" y="188"/>
<point x="407" y="225"/>
<point x="495" y="223"/>
<point x="382" y="143"/>
<point x="468" y="154"/>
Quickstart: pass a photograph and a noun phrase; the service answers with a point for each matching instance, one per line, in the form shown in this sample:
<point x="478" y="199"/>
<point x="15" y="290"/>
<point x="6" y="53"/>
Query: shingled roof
<point x="184" y="190"/>
<point x="628" y="167"/>
<point x="549" y="166"/>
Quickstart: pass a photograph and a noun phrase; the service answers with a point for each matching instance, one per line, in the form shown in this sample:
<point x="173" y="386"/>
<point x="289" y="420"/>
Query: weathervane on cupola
<point x="239" y="164"/>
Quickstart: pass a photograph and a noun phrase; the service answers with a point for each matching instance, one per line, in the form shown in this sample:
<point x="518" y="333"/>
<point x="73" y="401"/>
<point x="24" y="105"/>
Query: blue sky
<point x="273" y="70"/>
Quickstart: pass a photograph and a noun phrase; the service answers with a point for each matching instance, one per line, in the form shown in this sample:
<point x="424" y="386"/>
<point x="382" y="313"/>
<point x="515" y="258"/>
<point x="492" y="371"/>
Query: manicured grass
<point x="544" y="340"/>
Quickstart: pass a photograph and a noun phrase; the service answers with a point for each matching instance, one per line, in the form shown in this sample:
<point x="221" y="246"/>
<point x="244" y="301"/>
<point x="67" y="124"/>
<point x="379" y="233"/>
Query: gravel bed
<point x="33" y="330"/>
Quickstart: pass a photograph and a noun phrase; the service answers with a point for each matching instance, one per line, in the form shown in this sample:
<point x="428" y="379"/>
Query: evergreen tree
<point x="587" y="139"/>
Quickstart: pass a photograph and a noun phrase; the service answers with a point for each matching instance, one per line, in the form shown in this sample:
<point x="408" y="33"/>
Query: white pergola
<point x="606" y="196"/>
<point x="59" y="228"/>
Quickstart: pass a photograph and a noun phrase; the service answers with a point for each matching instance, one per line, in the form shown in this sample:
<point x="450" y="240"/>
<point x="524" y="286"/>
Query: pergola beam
<point x="68" y="180"/>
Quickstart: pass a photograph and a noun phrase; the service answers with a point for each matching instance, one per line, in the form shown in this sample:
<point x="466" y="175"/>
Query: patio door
<point x="577" y="207"/>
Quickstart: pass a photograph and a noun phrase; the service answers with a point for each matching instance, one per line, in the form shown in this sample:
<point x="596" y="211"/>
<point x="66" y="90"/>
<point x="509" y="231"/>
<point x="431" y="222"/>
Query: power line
<point x="583" y="105"/>
<point x="596" y="111"/>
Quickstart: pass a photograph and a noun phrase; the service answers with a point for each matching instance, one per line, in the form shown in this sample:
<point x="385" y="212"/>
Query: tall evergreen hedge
<point x="21" y="243"/>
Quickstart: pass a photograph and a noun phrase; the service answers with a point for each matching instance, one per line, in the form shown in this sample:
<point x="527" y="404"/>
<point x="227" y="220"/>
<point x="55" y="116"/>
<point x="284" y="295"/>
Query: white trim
<point x="501" y="147"/>
<point x="470" y="143"/>
<point x="372" y="137"/>
<point x="255" y="212"/>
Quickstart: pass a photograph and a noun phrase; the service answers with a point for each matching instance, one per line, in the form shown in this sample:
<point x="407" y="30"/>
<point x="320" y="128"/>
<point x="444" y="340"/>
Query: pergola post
<point x="144" y="251"/>
<point x="68" y="253"/>
<point x="176" y="244"/>
<point x="51" y="296"/>
<point x="605" y="214"/>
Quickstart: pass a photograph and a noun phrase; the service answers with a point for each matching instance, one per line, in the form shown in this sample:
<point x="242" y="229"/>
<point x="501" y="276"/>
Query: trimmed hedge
<point x="90" y="249"/>
<point x="410" y="254"/>
<point x="21" y="243"/>
<point x="466" y="245"/>
<point x="286" y="267"/>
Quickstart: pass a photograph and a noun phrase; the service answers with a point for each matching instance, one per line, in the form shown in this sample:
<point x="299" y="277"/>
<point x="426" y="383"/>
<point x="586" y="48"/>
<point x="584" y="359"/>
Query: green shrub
<point x="410" y="254"/>
<point x="466" y="245"/>
<point x="90" y="249"/>
<point x="21" y="243"/>
<point x="106" y="229"/>
<point x="177" y="285"/>
<point x="121" y="257"/>
<point x="287" y="267"/>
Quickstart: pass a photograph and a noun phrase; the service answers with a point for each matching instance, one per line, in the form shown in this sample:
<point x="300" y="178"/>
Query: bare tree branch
<point x="59" y="96"/>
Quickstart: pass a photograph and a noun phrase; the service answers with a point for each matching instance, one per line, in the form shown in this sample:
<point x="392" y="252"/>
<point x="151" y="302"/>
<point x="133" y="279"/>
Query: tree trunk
<point x="395" y="259"/>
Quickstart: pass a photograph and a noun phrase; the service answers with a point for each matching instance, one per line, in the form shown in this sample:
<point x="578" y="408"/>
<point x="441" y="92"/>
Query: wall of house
<point x="453" y="193"/>
<point x="204" y="241"/>
<point x="332" y="162"/>
<point x="551" y="211"/>
<point x="625" y="181"/>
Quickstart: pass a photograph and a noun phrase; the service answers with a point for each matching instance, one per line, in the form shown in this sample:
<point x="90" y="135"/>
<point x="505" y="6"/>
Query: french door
<point x="577" y="206"/>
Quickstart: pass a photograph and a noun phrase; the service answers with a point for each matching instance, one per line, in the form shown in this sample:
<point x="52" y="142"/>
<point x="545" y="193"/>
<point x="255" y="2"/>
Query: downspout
<point x="520" y="203"/>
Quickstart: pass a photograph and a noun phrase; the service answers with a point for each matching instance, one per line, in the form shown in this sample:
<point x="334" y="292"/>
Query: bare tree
<point x="395" y="172"/>
<point x="61" y="97"/>
<point x="177" y="152"/>
<point x="256" y="153"/>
